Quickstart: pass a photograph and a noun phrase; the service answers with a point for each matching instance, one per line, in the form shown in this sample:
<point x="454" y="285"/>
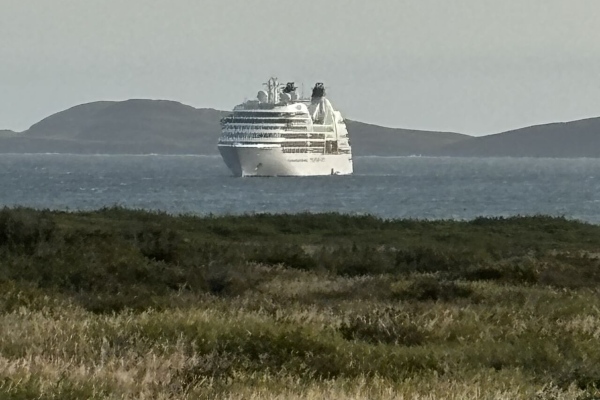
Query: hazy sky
<point x="472" y="66"/>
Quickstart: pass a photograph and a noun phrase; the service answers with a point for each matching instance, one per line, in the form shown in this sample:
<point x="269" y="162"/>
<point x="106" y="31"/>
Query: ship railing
<point x="250" y="139"/>
<point x="302" y="150"/>
<point x="252" y="136"/>
<point x="302" y="143"/>
<point x="294" y="150"/>
<point x="295" y="129"/>
<point x="303" y="136"/>
<point x="252" y="127"/>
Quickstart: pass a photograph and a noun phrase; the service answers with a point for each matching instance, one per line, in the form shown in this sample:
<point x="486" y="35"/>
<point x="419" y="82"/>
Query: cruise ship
<point x="281" y="134"/>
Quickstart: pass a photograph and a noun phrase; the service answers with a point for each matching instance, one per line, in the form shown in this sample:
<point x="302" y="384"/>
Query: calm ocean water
<point x="415" y="187"/>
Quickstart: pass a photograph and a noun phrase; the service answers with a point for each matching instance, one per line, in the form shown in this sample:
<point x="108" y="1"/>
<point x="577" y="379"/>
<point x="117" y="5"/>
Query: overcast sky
<point x="471" y="66"/>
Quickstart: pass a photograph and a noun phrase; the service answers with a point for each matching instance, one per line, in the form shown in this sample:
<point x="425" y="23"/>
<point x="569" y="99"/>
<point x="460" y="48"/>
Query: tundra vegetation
<point x="120" y="303"/>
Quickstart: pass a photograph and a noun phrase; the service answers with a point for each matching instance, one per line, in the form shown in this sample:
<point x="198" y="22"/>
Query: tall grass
<point x="130" y="304"/>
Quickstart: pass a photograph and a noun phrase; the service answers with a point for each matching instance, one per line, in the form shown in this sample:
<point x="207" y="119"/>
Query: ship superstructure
<point x="281" y="134"/>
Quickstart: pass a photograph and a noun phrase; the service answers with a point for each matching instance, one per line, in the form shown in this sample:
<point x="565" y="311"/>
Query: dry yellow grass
<point x="61" y="350"/>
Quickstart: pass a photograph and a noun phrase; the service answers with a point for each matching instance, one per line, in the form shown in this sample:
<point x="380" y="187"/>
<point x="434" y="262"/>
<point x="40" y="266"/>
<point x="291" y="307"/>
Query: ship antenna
<point x="272" y="90"/>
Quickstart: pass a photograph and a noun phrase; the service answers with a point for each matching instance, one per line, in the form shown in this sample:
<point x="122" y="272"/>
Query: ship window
<point x="256" y="121"/>
<point x="260" y="114"/>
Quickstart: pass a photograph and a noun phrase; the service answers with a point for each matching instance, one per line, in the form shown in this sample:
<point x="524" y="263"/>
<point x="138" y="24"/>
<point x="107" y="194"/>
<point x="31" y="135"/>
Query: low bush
<point x="158" y="244"/>
<point x="423" y="259"/>
<point x="432" y="289"/>
<point x="23" y="229"/>
<point x="233" y="280"/>
<point x="356" y="260"/>
<point x="292" y="256"/>
<point x="571" y="271"/>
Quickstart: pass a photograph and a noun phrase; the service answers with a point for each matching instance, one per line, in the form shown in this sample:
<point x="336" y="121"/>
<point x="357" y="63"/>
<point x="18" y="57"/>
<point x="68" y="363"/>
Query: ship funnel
<point x="318" y="92"/>
<point x="290" y="87"/>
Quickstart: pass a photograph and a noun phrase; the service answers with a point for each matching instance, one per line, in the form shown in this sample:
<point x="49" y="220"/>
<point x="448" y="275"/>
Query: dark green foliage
<point x="292" y="256"/>
<point x="158" y="244"/>
<point x="232" y="280"/>
<point x="23" y="229"/>
<point x="115" y="258"/>
<point x="436" y="259"/>
<point x="431" y="289"/>
<point x="571" y="271"/>
<point x="357" y="261"/>
<point x="518" y="270"/>
<point x="484" y="274"/>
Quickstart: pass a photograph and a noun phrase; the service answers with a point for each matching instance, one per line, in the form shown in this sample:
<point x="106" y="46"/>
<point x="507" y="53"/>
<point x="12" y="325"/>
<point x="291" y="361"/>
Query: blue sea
<point x="389" y="187"/>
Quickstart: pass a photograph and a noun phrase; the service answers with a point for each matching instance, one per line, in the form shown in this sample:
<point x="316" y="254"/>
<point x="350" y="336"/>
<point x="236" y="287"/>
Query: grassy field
<point x="129" y="304"/>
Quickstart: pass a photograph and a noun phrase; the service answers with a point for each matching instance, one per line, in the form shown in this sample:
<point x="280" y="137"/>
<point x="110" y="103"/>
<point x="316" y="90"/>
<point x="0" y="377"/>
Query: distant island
<point x="6" y="133"/>
<point x="168" y="127"/>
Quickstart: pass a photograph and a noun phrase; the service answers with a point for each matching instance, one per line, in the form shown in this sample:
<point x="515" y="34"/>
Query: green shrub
<point x="227" y="280"/>
<point x="571" y="271"/>
<point x="438" y="259"/>
<point x="516" y="270"/>
<point x="24" y="229"/>
<point x="484" y="274"/>
<point x="158" y="244"/>
<point x="358" y="261"/>
<point x="432" y="289"/>
<point x="292" y="256"/>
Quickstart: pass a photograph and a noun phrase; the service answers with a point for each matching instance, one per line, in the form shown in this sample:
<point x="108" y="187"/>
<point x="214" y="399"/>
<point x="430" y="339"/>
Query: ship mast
<point x="272" y="90"/>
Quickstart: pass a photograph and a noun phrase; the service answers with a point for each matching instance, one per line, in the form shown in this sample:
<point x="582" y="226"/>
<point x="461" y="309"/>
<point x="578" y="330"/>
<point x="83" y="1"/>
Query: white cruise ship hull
<point x="270" y="160"/>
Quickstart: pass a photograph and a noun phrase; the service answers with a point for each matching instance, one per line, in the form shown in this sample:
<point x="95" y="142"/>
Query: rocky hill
<point x="127" y="127"/>
<point x="564" y="140"/>
<point x="6" y="133"/>
<point x="368" y="139"/>
<point x="168" y="127"/>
